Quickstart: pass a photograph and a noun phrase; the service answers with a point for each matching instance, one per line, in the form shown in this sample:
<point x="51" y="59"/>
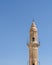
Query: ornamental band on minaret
<point x="33" y="45"/>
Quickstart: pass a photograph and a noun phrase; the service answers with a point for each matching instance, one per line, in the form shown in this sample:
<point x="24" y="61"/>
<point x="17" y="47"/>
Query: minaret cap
<point x="33" y="26"/>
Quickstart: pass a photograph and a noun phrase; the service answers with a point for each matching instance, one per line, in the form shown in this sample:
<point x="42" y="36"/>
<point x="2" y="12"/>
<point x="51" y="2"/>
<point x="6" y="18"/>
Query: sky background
<point x="15" y="21"/>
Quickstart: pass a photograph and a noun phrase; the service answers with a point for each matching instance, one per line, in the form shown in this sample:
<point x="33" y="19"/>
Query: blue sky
<point x="15" y="20"/>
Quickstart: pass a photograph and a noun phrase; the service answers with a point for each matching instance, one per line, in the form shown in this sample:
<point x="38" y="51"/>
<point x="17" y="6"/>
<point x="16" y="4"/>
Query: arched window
<point x="33" y="63"/>
<point x="33" y="39"/>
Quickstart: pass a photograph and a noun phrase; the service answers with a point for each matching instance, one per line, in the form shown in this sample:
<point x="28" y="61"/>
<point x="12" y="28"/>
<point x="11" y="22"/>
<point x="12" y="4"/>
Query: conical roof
<point x="33" y="27"/>
<point x="33" y="24"/>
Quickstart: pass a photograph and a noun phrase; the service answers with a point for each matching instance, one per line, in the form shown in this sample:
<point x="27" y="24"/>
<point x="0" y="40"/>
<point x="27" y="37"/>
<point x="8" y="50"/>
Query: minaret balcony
<point x="33" y="44"/>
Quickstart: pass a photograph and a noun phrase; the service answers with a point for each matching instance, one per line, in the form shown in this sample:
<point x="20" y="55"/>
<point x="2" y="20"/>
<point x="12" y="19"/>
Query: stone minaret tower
<point x="33" y="45"/>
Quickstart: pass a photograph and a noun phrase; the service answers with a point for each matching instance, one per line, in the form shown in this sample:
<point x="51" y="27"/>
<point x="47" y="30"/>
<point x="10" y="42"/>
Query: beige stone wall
<point x="33" y="56"/>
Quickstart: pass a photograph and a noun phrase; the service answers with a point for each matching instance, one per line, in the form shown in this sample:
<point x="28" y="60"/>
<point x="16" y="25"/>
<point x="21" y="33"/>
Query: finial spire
<point x="33" y="23"/>
<point x="33" y="26"/>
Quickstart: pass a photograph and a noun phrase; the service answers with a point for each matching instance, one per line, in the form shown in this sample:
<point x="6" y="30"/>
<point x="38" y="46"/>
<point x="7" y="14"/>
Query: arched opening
<point x="33" y="63"/>
<point x="33" y="39"/>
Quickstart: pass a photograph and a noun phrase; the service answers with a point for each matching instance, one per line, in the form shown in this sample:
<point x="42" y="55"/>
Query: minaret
<point x="33" y="45"/>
